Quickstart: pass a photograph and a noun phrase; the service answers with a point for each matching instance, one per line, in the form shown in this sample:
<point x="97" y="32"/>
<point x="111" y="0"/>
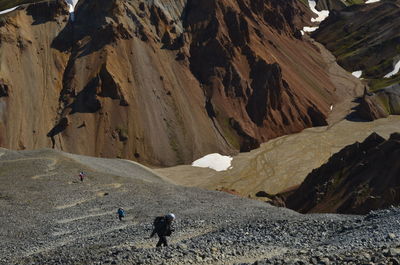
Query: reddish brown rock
<point x="179" y="79"/>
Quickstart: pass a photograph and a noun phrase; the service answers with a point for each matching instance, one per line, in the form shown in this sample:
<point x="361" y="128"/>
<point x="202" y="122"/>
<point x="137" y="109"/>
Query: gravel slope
<point x="49" y="217"/>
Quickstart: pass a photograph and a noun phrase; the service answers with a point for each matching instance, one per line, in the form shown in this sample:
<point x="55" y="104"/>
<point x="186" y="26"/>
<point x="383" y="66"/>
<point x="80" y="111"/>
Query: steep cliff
<point x="161" y="82"/>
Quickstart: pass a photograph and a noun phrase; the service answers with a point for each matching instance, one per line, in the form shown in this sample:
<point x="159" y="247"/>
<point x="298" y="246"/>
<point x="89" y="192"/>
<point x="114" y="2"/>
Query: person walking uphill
<point x="121" y="213"/>
<point x="163" y="228"/>
<point x="82" y="175"/>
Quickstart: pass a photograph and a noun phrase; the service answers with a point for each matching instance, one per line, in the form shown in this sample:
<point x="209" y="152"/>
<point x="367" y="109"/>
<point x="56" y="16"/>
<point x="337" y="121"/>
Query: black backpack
<point x="158" y="221"/>
<point x="162" y="226"/>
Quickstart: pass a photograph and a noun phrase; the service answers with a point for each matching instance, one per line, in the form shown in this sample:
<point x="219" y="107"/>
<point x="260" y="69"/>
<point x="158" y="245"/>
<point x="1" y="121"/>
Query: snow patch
<point x="214" y="161"/>
<point x="357" y="74"/>
<point x="8" y="10"/>
<point x="372" y="1"/>
<point x="395" y="70"/>
<point x="71" y="4"/>
<point x="322" y="15"/>
<point x="309" y="29"/>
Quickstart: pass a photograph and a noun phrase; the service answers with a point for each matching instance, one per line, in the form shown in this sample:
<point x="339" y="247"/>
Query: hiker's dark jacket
<point x="162" y="228"/>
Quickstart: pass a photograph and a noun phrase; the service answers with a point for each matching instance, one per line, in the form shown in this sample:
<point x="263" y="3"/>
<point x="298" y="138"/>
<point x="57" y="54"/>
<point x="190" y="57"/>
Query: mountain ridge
<point x="199" y="89"/>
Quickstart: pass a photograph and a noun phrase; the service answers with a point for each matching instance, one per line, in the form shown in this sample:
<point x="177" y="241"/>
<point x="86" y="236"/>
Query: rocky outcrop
<point x="3" y="89"/>
<point x="370" y="109"/>
<point x="161" y="82"/>
<point x="359" y="178"/>
<point x="380" y="104"/>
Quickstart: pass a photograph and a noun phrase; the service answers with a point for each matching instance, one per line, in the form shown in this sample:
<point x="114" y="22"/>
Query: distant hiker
<point x="121" y="213"/>
<point x="82" y="175"/>
<point x="163" y="228"/>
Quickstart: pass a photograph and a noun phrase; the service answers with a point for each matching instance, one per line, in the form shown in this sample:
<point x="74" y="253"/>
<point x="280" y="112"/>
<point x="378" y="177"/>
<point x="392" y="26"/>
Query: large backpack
<point x="161" y="226"/>
<point x="158" y="221"/>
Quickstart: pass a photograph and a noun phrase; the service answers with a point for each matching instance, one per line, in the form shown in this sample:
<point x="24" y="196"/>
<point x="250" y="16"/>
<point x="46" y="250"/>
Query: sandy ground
<point x="284" y="162"/>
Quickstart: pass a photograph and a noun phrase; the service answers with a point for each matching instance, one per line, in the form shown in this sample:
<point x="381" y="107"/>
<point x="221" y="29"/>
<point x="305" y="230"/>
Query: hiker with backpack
<point x="163" y="228"/>
<point x="82" y="176"/>
<point x="121" y="213"/>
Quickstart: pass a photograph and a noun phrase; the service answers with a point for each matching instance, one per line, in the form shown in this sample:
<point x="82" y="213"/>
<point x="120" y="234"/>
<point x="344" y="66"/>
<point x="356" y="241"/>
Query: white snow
<point x="214" y="161"/>
<point x="372" y="1"/>
<point x="357" y="74"/>
<point x="322" y="15"/>
<point x="309" y="29"/>
<point x="71" y="4"/>
<point x="331" y="108"/>
<point x="8" y="10"/>
<point x="395" y="70"/>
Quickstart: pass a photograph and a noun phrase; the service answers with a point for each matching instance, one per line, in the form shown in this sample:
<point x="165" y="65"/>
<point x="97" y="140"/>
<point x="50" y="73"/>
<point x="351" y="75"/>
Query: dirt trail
<point x="49" y="171"/>
<point x="71" y="239"/>
<point x="255" y="255"/>
<point x="348" y="87"/>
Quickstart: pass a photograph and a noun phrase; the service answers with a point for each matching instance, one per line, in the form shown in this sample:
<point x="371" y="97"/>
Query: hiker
<point x="121" y="213"/>
<point x="82" y="175"/>
<point x="163" y="228"/>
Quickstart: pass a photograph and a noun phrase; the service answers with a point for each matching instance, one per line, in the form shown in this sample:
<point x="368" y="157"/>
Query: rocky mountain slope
<point x="160" y="82"/>
<point x="365" y="40"/>
<point x="50" y="217"/>
<point x="361" y="177"/>
<point x="364" y="37"/>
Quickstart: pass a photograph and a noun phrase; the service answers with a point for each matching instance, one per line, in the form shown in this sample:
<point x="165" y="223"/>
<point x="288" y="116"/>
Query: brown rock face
<point x="161" y="82"/>
<point x="380" y="104"/>
<point x="361" y="177"/>
<point x="370" y="109"/>
<point x="242" y="83"/>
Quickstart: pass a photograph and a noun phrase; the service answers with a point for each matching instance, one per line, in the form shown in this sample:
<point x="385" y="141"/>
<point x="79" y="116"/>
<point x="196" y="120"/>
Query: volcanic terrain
<point x="281" y="163"/>
<point x="165" y="82"/>
<point x="48" y="216"/>
<point x="196" y="77"/>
